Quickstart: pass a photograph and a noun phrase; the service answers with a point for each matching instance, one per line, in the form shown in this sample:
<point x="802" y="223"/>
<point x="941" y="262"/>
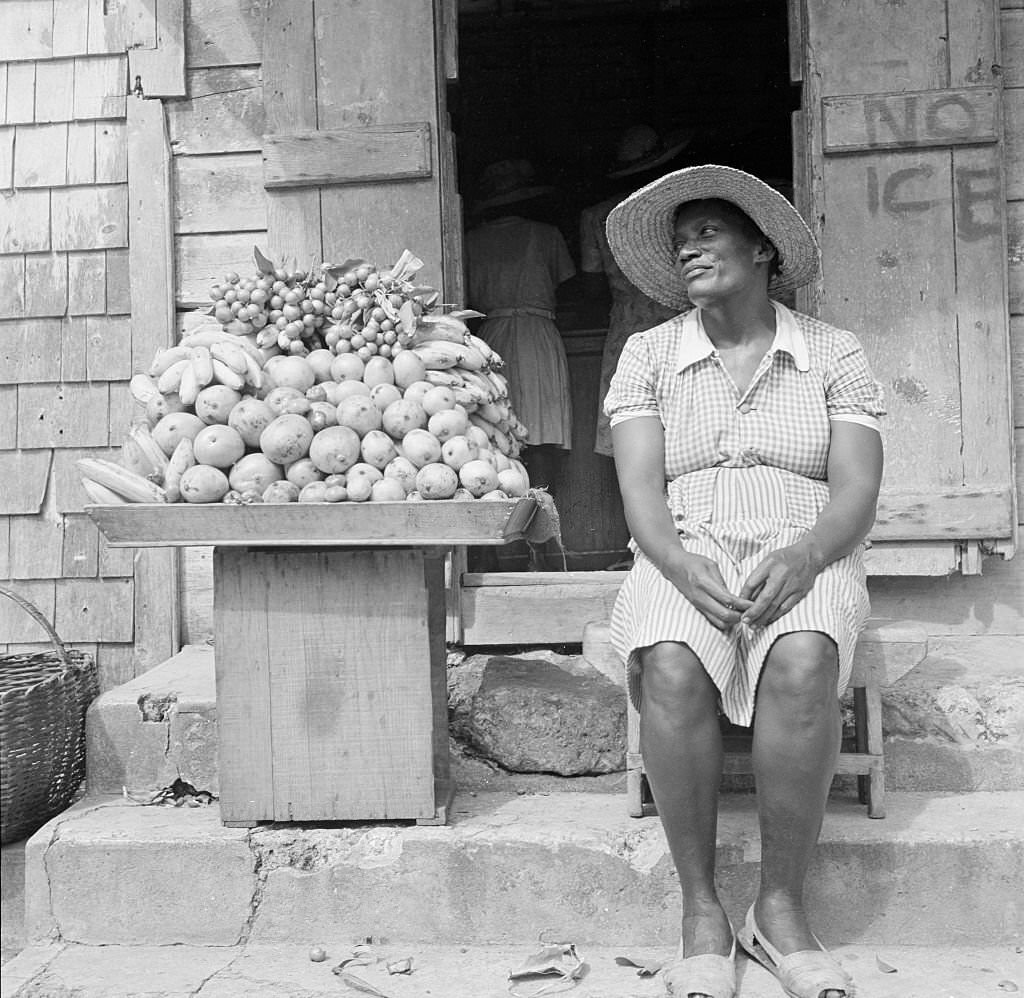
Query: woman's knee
<point x="673" y="677"/>
<point x="801" y="666"/>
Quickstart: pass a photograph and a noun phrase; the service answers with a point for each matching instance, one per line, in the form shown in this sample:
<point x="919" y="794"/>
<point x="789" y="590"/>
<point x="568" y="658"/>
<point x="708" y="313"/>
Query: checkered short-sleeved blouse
<point x="745" y="474"/>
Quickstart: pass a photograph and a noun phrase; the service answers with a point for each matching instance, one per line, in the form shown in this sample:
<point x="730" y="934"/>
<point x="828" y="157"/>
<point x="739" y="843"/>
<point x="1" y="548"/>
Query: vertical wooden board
<point x="200" y="261"/>
<point x="73" y="348"/>
<point x="64" y="415"/>
<point x="5" y="547"/>
<point x="122" y="411"/>
<point x="1017" y="368"/>
<point x="434" y="584"/>
<point x="80" y="552"/>
<point x="25" y="222"/>
<point x="40" y="158"/>
<point x="100" y="86"/>
<point x="8" y="426"/>
<point x="94" y="609"/>
<point x="21" y="93"/>
<point x="290" y="101"/>
<point x="93" y="217"/>
<point x="1013" y="142"/>
<point x="223" y="113"/>
<point x="241" y="643"/>
<point x="46" y="285"/>
<point x="115" y="563"/>
<point x="1012" y="39"/>
<point x="222" y="193"/>
<point x="87" y="277"/>
<point x="115" y="664"/>
<point x="28" y="30"/>
<point x="1015" y="255"/>
<point x="162" y="68"/>
<point x="55" y="91"/>
<point x="109" y="348"/>
<point x="155" y="591"/>
<point x="7" y="157"/>
<point x="19" y="627"/>
<point x="118" y="282"/>
<point x="12" y="287"/>
<point x="3" y="93"/>
<point x="37" y="547"/>
<point x="81" y="158"/>
<point x="351" y="701"/>
<point x="223" y="34"/>
<point x="111" y="153"/>
<point x="107" y="27"/>
<point x="140" y="28"/>
<point x="29" y="351"/>
<point x="150" y="258"/>
<point x="70" y="27"/>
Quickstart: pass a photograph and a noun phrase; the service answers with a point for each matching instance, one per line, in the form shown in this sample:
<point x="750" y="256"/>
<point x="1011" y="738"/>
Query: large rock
<point x="539" y="712"/>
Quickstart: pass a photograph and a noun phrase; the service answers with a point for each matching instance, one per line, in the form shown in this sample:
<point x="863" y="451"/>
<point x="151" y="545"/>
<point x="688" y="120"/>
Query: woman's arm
<point x="639" y="445"/>
<point x="785" y="576"/>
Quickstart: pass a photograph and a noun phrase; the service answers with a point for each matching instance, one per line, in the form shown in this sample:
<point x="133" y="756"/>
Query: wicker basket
<point x="43" y="699"/>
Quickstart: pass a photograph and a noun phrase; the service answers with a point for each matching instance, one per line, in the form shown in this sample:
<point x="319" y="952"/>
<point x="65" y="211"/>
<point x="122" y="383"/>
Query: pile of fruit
<point x="339" y="384"/>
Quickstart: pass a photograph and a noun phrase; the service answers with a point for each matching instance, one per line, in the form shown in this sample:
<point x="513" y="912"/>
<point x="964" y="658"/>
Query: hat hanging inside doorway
<point x="640" y="229"/>
<point x="641" y="148"/>
<point x="509" y="181"/>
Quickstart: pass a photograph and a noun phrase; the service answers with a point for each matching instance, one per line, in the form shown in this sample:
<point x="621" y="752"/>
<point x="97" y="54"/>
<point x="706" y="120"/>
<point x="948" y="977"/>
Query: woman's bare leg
<point x="797" y="730"/>
<point x="682" y="749"/>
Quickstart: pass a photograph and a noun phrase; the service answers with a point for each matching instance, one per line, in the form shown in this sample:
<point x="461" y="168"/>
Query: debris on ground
<point x="176" y="794"/>
<point x="645" y="968"/>
<point x="558" y="961"/>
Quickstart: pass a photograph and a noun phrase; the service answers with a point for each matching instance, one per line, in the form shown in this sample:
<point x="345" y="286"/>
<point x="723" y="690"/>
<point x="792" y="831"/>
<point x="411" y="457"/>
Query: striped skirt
<point x="735" y="516"/>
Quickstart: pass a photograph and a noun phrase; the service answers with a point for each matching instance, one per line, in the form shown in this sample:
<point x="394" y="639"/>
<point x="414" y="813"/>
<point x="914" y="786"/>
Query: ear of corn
<point x="127" y="484"/>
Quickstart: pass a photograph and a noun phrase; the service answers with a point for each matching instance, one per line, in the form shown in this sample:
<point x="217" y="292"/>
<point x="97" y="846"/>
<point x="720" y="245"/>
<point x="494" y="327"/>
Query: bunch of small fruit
<point x="229" y="420"/>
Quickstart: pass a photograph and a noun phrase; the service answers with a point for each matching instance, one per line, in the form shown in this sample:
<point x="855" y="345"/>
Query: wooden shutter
<point x="351" y="154"/>
<point x="901" y="150"/>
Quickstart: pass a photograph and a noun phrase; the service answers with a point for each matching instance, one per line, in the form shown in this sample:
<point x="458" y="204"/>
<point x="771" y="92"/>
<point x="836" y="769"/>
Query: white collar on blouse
<point x="695" y="345"/>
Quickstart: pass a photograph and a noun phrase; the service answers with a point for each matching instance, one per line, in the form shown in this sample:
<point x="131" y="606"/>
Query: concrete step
<point x="284" y="971"/>
<point x="940" y="869"/>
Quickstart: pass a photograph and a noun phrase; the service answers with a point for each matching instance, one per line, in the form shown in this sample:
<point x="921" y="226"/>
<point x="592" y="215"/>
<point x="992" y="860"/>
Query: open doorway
<point x="557" y="82"/>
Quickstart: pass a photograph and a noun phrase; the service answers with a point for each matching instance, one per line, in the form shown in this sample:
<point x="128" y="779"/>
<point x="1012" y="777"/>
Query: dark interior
<point x="557" y="85"/>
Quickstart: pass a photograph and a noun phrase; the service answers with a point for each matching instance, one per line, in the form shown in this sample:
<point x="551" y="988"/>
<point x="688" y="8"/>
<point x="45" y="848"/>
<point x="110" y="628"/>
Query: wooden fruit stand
<point x="329" y="636"/>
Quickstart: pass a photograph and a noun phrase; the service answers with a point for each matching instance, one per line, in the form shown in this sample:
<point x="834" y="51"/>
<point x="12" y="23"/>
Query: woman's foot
<point x="706" y="929"/>
<point x="704" y="965"/>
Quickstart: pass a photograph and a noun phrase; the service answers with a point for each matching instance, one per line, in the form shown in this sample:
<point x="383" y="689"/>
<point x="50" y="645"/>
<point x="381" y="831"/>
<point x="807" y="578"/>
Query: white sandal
<point x="709" y="974"/>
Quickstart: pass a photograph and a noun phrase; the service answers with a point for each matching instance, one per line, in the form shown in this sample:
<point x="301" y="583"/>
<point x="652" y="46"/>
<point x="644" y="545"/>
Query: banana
<point x="491" y="413"/>
<point x="499" y="383"/>
<point x="266" y="337"/>
<point x="170" y="380"/>
<point x="442" y="327"/>
<point x="479" y="396"/>
<point x="445" y="378"/>
<point x="181" y="460"/>
<point x="479" y="380"/>
<point x="490" y="355"/>
<point x="472" y="359"/>
<point x="127" y="484"/>
<point x="165" y="359"/>
<point x="205" y="337"/>
<point x="201" y="363"/>
<point x="254" y="373"/>
<point x="152" y="451"/>
<point x="232" y="355"/>
<point x="499" y="439"/>
<point x="134" y="458"/>
<point x="226" y="376"/>
<point x="439" y="355"/>
<point x="465" y="398"/>
<point x="143" y="388"/>
<point x="188" y="386"/>
<point x="101" y="495"/>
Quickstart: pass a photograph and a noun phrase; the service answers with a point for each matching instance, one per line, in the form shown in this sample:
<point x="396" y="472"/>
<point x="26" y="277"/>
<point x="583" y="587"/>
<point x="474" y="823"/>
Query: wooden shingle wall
<point x="66" y="331"/>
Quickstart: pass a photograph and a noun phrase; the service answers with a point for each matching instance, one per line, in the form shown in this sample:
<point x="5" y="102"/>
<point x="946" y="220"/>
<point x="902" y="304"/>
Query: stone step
<point x="940" y="869"/>
<point x="954" y="719"/>
<point x="285" y="971"/>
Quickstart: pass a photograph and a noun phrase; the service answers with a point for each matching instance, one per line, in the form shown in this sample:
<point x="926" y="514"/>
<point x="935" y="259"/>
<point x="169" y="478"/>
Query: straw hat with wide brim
<point x="641" y="148"/>
<point x="640" y="229"/>
<point x="509" y="181"/>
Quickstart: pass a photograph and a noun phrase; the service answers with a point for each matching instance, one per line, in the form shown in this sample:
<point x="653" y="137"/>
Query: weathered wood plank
<point x="24" y="474"/>
<point x="74" y="348"/>
<point x="109" y="348"/>
<point x="118" y="287"/>
<point x="107" y="28"/>
<point x="1012" y="38"/>
<point x="946" y="117"/>
<point x="161" y="68"/>
<point x="1017" y="368"/>
<point x="1013" y="142"/>
<point x="66" y="479"/>
<point x="223" y="113"/>
<point x="150" y="258"/>
<point x="912" y="558"/>
<point x="954" y="513"/>
<point x="100" y="86"/>
<point x="115" y="664"/>
<point x="21" y="93"/>
<point x="81" y="164"/>
<point x="25" y="222"/>
<point x="93" y="217"/>
<point x="123" y="409"/>
<point x="70" y="28"/>
<point x="368" y="154"/>
<point x="28" y="30"/>
<point x="87" y="277"/>
<point x="8" y="427"/>
<point x="64" y="415"/>
<point x="221" y="193"/>
<point x="40" y="158"/>
<point x="224" y="34"/>
<point x="201" y="260"/>
<point x="116" y="563"/>
<point x="3" y="93"/>
<point x="55" y="91"/>
<point x="111" y="153"/>
<point x="156" y="617"/>
<point x="294" y="225"/>
<point x="7" y="157"/>
<point x="12" y="287"/>
<point x="1015" y="255"/>
<point x="29" y="352"/>
<point x="37" y="546"/>
<point x="94" y="609"/>
<point x="80" y="555"/>
<point x="46" y="285"/>
<point x="19" y="627"/>
<point x="5" y="550"/>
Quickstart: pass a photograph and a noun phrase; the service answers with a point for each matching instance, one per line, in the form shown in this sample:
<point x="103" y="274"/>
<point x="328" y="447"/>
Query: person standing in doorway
<point x="514" y="264"/>
<point x="641" y="154"/>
